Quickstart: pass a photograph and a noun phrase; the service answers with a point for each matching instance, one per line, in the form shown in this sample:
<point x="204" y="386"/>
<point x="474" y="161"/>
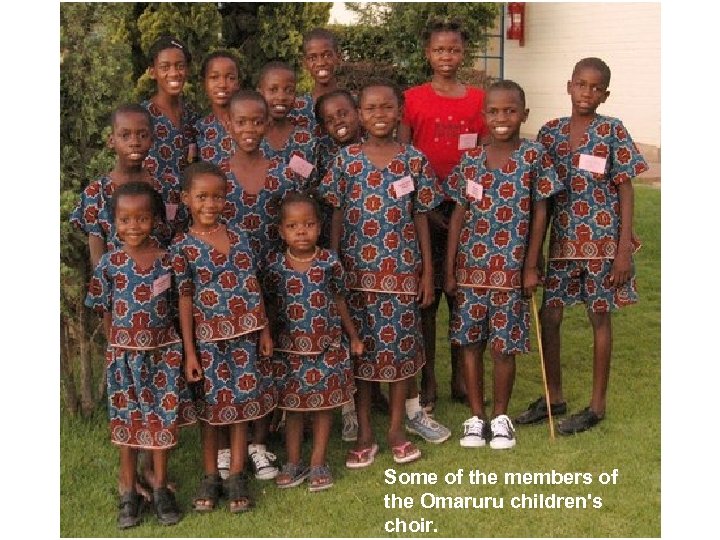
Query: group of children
<point x="288" y="252"/>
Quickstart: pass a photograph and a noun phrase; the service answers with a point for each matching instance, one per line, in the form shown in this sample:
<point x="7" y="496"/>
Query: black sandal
<point x="131" y="505"/>
<point x="166" y="507"/>
<point x="210" y="491"/>
<point x="236" y="488"/>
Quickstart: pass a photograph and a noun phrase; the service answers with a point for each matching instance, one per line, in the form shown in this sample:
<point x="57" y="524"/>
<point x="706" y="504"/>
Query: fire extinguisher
<point x="516" y="13"/>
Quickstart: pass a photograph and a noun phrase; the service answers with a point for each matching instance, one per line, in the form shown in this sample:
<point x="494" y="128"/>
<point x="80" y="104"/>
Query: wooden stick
<point x="542" y="368"/>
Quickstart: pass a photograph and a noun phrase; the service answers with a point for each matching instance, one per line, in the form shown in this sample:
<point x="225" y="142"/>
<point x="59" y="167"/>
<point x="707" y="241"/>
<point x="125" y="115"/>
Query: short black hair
<point x="308" y="196"/>
<point x="249" y="95"/>
<point x="437" y="25"/>
<point x="135" y="188"/>
<point x="129" y="108"/>
<point x="596" y="64"/>
<point x="198" y="168"/>
<point x="166" y="41"/>
<point x="507" y="84"/>
<point x="273" y="65"/>
<point x="320" y="33"/>
<point x="384" y="83"/>
<point x="218" y="54"/>
<point x="326" y="97"/>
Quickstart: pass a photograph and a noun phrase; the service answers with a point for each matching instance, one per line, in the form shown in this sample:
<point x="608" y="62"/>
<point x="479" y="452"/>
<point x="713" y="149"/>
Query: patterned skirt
<point x="390" y="327"/>
<point x="148" y="399"/>
<point x="314" y="382"/>
<point x="237" y="384"/>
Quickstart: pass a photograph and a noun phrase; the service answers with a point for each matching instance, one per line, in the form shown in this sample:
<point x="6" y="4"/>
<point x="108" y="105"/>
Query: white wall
<point x="625" y="35"/>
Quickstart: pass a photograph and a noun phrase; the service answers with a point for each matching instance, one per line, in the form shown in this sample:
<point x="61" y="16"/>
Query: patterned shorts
<point x="500" y="317"/>
<point x="390" y="327"/>
<point x="586" y="281"/>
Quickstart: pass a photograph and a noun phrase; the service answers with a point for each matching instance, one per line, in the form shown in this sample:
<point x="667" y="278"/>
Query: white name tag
<point x="593" y="164"/>
<point x="403" y="186"/>
<point x="170" y="211"/>
<point x="467" y="140"/>
<point x="474" y="190"/>
<point x="302" y="167"/>
<point x="161" y="284"/>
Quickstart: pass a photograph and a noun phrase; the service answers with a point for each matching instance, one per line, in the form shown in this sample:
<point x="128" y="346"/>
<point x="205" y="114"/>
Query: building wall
<point x="625" y="35"/>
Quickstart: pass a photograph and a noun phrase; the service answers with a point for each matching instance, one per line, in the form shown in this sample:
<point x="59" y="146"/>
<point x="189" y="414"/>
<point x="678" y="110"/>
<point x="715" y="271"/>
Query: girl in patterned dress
<point x="313" y="370"/>
<point x="173" y="123"/>
<point x="295" y="145"/>
<point x="132" y="289"/>
<point x="381" y="190"/>
<point x="224" y="331"/>
<point x="494" y="242"/>
<point x="130" y="138"/>
<point x="220" y="74"/>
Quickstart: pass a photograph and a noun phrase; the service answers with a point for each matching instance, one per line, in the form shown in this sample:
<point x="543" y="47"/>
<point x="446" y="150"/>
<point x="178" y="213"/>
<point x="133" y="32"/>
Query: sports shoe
<point x="579" y="422"/>
<point x="292" y="474"/>
<point x="427" y="428"/>
<point x="474" y="433"/>
<point x="262" y="461"/>
<point x="349" y="426"/>
<point x="223" y="463"/>
<point x="130" y="510"/>
<point x="502" y="433"/>
<point x="537" y="411"/>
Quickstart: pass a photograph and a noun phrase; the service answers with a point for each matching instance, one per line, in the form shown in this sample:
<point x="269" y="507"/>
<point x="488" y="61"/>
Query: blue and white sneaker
<point x="427" y="428"/>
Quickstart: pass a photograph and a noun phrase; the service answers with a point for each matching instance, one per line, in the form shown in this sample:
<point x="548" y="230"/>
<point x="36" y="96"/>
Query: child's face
<point x="221" y="81"/>
<point x="587" y="91"/>
<point x="205" y="199"/>
<point x="134" y="219"/>
<point x="300" y="227"/>
<point x="340" y="118"/>
<point x="278" y="89"/>
<point x="445" y="53"/>
<point x="321" y="60"/>
<point x="504" y="114"/>
<point x="131" y="138"/>
<point x="379" y="111"/>
<point x="169" y="71"/>
<point x="248" y="122"/>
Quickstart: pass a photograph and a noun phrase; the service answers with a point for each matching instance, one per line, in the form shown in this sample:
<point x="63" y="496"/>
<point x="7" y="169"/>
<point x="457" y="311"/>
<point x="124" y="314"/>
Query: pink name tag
<point x="300" y="166"/>
<point x="593" y="164"/>
<point x="467" y="140"/>
<point x="403" y="186"/>
<point x="170" y="211"/>
<point x="161" y="284"/>
<point x="475" y="190"/>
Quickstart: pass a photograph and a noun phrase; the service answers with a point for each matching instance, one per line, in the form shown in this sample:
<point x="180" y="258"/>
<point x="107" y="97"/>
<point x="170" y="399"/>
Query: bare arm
<point x="265" y="344"/>
<point x="538" y="222"/>
<point x="97" y="248"/>
<point x="426" y="290"/>
<point x="193" y="371"/>
<point x="622" y="265"/>
<point x="356" y="345"/>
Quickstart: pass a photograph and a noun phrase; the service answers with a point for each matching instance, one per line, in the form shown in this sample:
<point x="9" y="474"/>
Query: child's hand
<point x="426" y="291"/>
<point x="531" y="280"/>
<point x="357" y="347"/>
<point x="193" y="370"/>
<point x="450" y="284"/>
<point x="266" y="344"/>
<point x="621" y="268"/>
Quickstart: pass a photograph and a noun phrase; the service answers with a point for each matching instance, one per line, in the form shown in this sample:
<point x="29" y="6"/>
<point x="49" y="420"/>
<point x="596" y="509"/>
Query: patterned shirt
<point x="214" y="143"/>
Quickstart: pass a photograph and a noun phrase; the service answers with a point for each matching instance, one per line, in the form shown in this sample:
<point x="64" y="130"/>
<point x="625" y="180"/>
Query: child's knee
<point x="551" y="317"/>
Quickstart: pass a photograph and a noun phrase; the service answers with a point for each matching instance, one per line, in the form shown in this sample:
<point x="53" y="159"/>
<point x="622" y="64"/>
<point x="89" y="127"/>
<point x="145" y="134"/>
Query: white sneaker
<point x="223" y="463"/>
<point x="263" y="462"/>
<point x="349" y="426"/>
<point x="474" y="436"/>
<point x="503" y="433"/>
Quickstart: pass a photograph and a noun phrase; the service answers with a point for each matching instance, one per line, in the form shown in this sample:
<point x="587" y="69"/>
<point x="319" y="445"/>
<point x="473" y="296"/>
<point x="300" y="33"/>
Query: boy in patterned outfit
<point x="591" y="241"/>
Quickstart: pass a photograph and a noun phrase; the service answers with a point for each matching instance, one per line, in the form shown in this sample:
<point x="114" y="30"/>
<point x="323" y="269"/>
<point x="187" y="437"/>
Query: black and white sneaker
<point x="263" y="462"/>
<point x="473" y="433"/>
<point x="502" y="433"/>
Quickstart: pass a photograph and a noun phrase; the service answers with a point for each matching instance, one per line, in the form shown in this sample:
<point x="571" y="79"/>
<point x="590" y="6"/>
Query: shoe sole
<point x="503" y="445"/>
<point x="320" y="488"/>
<point x="408" y="459"/>
<point x="433" y="441"/>
<point x="362" y="464"/>
<point x="348" y="439"/>
<point x="294" y="483"/>
<point x="472" y="444"/>
<point x="267" y="476"/>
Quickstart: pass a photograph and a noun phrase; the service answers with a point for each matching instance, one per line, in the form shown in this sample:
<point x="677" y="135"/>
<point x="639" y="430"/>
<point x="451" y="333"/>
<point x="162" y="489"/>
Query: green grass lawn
<point x="628" y="440"/>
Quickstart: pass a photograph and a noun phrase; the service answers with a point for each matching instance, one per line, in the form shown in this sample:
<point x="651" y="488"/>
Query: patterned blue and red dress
<point x="214" y="143"/>
<point x="381" y="254"/>
<point x="169" y="156"/>
<point x="92" y="214"/>
<point x="586" y="217"/>
<point x="489" y="305"/>
<point x="147" y="396"/>
<point x="302" y="144"/>
<point x="312" y="364"/>
<point x="228" y="316"/>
